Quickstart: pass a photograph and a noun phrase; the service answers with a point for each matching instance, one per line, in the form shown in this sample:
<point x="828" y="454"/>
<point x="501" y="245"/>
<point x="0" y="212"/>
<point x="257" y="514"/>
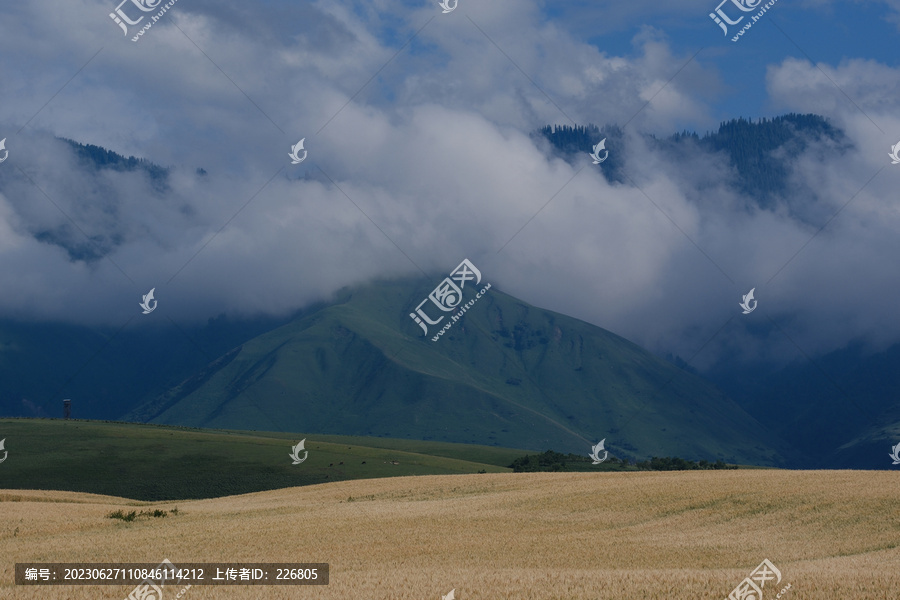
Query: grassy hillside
<point x="507" y="374"/>
<point x="152" y="462"/>
<point x="534" y="536"/>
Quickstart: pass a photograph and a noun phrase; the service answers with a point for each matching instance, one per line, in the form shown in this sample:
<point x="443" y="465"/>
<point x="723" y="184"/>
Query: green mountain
<point x="507" y="373"/>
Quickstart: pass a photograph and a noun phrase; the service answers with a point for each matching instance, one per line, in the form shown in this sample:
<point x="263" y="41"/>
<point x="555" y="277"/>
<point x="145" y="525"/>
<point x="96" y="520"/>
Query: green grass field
<point x="156" y="462"/>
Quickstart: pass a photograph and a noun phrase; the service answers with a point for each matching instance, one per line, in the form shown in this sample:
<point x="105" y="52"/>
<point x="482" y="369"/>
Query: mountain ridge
<point x="532" y="379"/>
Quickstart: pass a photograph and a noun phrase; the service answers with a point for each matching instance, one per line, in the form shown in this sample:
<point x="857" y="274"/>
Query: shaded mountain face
<point x="106" y="371"/>
<point x="506" y="373"/>
<point x="841" y="411"/>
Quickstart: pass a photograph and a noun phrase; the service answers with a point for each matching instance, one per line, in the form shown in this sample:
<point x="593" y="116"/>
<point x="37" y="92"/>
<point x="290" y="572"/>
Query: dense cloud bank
<point x="429" y="163"/>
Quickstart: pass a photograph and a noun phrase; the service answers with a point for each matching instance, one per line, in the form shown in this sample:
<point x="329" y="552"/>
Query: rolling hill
<point x="529" y="536"/>
<point x="153" y="462"/>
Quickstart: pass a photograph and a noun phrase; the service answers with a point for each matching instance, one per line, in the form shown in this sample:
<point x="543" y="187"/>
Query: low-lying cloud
<point x="429" y="163"/>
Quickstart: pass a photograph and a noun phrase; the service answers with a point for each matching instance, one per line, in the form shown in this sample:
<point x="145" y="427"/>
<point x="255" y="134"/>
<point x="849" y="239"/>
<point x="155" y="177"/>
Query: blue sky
<point x="828" y="32"/>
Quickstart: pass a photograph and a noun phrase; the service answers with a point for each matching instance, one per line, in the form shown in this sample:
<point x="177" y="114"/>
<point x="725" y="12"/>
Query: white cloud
<point x="436" y="151"/>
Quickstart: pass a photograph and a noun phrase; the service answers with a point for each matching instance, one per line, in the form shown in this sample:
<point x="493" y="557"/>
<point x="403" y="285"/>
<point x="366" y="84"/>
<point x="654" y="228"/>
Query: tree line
<point x="556" y="461"/>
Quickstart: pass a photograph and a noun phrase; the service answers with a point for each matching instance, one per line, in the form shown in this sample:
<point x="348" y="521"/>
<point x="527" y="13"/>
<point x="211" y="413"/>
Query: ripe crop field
<point x="547" y="536"/>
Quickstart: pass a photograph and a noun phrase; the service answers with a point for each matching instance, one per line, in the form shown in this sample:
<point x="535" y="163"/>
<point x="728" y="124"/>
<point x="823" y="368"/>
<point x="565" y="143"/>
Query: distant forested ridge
<point x="103" y="197"/>
<point x="756" y="149"/>
<point x="569" y="140"/>
<point x="100" y="158"/>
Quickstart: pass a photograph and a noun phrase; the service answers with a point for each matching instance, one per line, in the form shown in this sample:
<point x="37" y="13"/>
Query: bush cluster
<point x="131" y="516"/>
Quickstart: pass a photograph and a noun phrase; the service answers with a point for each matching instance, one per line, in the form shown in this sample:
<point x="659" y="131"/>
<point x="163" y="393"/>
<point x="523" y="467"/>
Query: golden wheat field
<point x="547" y="536"/>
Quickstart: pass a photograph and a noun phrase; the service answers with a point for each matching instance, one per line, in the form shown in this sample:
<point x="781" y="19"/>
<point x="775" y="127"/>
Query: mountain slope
<point x="841" y="411"/>
<point x="506" y="374"/>
<point x="106" y="371"/>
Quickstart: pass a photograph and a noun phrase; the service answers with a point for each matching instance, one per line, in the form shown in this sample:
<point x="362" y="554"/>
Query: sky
<point x="417" y="125"/>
